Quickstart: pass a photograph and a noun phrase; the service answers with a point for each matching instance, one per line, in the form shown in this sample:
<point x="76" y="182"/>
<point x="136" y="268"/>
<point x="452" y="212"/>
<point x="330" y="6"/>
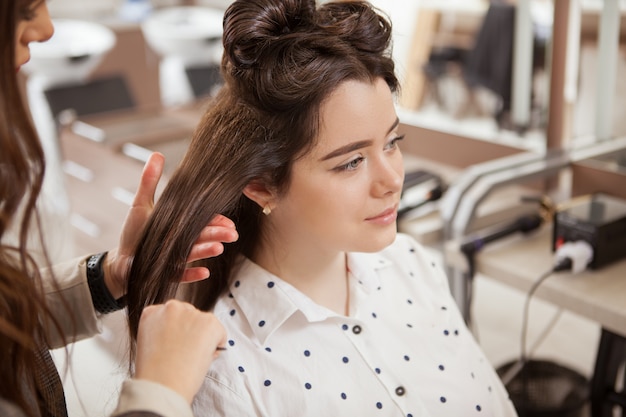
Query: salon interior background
<point x="497" y="307"/>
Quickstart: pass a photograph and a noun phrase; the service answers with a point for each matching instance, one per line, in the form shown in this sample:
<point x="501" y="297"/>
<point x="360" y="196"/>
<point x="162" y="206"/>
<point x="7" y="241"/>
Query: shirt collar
<point x="364" y="269"/>
<point x="267" y="301"/>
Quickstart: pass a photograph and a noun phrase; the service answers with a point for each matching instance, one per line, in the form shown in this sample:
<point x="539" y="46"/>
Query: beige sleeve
<point x="142" y="395"/>
<point x="69" y="299"/>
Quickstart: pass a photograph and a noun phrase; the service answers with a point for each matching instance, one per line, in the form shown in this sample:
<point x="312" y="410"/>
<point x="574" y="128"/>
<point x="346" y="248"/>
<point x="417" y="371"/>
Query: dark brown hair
<point x="22" y="164"/>
<point x="282" y="59"/>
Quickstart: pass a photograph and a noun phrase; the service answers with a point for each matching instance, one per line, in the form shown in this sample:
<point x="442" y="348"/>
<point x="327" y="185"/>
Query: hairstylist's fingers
<point x="143" y="204"/>
<point x="210" y="243"/>
<point x="220" y="220"/>
<point x="119" y="259"/>
<point x="195" y="273"/>
<point x="218" y="233"/>
<point x="152" y="171"/>
<point x="176" y="345"/>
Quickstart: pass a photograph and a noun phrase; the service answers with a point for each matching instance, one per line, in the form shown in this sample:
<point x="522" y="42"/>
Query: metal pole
<point x="522" y="65"/>
<point x="608" y="47"/>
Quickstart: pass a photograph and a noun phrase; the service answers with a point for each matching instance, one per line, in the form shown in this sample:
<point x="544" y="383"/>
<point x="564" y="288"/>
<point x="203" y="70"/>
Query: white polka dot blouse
<point x="404" y="349"/>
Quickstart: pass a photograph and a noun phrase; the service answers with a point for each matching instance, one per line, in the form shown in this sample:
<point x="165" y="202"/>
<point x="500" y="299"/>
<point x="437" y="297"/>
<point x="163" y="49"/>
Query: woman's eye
<point x="352" y="165"/>
<point x="29" y="12"/>
<point x="393" y="143"/>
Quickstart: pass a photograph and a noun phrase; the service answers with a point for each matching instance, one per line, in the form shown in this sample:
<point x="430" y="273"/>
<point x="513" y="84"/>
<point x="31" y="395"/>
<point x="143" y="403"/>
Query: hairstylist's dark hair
<point x="22" y="305"/>
<point x="282" y="59"/>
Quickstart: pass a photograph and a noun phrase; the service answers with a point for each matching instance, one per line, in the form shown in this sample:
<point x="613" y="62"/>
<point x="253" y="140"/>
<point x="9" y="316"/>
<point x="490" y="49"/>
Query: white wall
<point x="83" y="9"/>
<point x="403" y="15"/>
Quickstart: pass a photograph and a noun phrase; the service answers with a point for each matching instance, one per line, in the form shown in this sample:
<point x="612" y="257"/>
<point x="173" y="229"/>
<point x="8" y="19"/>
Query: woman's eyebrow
<point x="350" y="147"/>
<point x="355" y="145"/>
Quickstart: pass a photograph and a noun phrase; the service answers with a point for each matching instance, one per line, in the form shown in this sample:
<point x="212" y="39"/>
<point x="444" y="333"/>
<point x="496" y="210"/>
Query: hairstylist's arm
<point x="176" y="345"/>
<point x="210" y="243"/>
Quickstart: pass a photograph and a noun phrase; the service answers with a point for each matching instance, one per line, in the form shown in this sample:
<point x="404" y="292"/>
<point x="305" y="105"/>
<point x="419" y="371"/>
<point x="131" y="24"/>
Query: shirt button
<point x="356" y="329"/>
<point x="400" y="391"/>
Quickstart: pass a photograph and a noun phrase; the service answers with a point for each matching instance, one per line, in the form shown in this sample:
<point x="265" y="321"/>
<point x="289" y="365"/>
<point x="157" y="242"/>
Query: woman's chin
<point x="377" y="243"/>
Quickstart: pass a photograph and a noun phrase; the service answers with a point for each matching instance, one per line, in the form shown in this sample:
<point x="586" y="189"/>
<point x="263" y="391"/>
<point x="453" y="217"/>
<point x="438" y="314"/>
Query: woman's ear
<point x="257" y="191"/>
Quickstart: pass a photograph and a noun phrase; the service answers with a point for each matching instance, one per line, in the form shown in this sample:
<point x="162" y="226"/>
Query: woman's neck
<point x="322" y="276"/>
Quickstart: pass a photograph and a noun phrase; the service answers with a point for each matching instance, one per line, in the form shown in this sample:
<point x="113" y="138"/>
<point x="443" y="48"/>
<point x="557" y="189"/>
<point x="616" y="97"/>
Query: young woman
<point x="42" y="309"/>
<point x="328" y="311"/>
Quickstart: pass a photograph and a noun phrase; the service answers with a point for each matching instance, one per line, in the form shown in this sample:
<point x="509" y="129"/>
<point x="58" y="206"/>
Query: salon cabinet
<point x="100" y="184"/>
<point x="103" y="157"/>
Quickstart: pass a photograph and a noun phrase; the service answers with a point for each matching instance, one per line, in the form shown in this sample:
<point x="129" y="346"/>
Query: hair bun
<point x="253" y="26"/>
<point x="359" y="23"/>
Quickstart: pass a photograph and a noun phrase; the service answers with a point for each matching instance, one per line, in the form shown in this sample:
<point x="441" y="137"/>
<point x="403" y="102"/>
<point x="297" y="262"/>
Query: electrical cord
<point x="571" y="256"/>
<point x="562" y="265"/>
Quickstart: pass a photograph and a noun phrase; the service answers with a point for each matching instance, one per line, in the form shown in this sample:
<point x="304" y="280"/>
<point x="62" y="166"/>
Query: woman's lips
<point x="386" y="217"/>
<point x="23" y="61"/>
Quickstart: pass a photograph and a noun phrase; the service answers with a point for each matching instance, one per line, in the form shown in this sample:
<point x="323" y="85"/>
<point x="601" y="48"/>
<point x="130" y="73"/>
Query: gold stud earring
<point x="267" y="210"/>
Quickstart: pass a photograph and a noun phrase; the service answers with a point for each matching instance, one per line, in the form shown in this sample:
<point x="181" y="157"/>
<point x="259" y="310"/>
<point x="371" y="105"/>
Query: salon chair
<point x="101" y="95"/>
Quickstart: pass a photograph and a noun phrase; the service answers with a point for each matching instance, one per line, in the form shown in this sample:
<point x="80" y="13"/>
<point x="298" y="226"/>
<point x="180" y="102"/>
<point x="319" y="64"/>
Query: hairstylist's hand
<point x="176" y="344"/>
<point x="209" y="244"/>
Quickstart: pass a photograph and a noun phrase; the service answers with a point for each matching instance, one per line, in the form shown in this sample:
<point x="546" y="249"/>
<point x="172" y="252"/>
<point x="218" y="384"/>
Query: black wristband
<point x="101" y="297"/>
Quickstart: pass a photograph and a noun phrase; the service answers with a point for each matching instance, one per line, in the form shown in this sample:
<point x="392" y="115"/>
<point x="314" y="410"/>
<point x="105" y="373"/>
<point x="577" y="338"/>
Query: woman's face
<point x="37" y="27"/>
<point x="344" y="194"/>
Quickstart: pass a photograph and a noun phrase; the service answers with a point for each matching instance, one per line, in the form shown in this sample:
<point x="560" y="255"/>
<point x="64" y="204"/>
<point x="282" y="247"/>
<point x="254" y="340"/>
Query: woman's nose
<point x="389" y="176"/>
